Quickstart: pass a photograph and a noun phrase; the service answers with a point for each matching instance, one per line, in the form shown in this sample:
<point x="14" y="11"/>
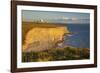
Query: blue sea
<point x="80" y="36"/>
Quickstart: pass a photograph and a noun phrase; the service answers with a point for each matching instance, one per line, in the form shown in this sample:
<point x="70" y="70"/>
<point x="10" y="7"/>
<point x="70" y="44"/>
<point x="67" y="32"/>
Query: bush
<point x="67" y="53"/>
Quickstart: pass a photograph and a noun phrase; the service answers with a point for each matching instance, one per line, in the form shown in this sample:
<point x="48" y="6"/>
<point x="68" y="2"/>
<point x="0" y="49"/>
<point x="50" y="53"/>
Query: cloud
<point x="75" y="20"/>
<point x="65" y="18"/>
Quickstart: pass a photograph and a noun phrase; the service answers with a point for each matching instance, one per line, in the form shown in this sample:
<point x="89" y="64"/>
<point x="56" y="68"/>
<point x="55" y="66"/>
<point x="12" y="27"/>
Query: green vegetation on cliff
<point x="68" y="53"/>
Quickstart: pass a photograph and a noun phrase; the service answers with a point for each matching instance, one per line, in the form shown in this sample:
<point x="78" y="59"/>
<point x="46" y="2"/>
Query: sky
<point x="55" y="17"/>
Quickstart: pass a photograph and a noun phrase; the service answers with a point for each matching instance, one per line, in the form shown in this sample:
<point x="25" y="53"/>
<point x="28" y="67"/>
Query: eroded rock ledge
<point x="42" y="38"/>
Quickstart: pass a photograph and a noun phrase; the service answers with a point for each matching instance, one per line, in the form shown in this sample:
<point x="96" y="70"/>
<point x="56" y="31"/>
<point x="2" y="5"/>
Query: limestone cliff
<point x="40" y="39"/>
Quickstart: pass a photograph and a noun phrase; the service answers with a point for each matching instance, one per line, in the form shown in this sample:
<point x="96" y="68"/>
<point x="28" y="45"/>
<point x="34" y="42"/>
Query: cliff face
<point x="40" y="39"/>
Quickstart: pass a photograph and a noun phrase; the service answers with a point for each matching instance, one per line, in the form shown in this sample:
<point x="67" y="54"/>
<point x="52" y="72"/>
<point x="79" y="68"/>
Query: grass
<point x="68" y="53"/>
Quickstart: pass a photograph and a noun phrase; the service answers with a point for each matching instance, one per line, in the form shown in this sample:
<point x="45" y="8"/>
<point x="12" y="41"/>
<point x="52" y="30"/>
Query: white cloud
<point x="66" y="18"/>
<point x="75" y="20"/>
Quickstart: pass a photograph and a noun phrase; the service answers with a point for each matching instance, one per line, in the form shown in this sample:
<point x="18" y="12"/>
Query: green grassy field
<point x="68" y="53"/>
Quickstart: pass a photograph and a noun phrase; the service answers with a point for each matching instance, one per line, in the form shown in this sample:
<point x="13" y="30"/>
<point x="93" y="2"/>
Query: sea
<point x="80" y="36"/>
